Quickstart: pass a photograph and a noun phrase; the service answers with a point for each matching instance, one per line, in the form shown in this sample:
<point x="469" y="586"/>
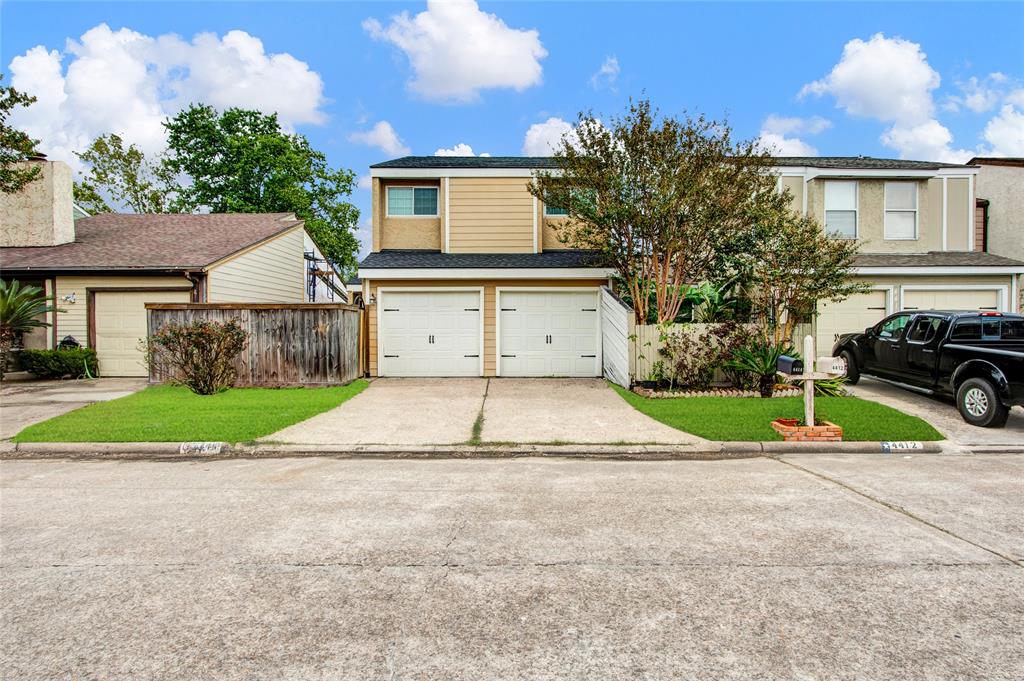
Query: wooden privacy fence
<point x="288" y="344"/>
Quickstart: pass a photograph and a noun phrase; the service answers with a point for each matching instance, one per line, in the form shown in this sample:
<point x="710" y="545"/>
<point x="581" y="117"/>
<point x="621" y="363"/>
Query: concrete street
<point x="815" y="567"/>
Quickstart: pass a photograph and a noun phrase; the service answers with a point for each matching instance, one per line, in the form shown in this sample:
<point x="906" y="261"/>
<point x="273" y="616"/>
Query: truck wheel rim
<point x="976" y="402"/>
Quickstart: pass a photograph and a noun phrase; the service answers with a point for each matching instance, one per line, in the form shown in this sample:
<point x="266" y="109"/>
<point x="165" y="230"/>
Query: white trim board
<point x="487" y="273"/>
<point x="940" y="271"/>
<point x="381" y="290"/>
<point x="498" y="290"/>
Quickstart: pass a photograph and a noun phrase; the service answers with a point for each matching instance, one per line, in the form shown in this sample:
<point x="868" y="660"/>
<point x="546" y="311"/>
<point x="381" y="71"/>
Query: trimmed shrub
<point x="73" y="363"/>
<point x="199" y="355"/>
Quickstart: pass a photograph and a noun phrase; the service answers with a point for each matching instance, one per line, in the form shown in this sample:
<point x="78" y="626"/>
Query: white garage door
<point x="429" y="333"/>
<point x="549" y="333"/>
<point x="852" y="315"/>
<point x="120" y="319"/>
<point x="951" y="299"/>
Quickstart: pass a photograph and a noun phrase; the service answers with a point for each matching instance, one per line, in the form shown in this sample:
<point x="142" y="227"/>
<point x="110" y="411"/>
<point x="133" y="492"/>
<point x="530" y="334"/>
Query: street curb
<point x="709" y="451"/>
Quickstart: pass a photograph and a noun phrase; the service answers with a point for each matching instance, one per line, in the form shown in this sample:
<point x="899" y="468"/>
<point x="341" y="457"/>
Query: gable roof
<point x="997" y="161"/>
<point x="130" y="242"/>
<point x="542" y="162"/>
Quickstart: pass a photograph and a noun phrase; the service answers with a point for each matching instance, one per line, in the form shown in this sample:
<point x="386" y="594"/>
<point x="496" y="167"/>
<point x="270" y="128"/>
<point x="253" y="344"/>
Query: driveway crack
<point x="475" y="437"/>
<point x="901" y="510"/>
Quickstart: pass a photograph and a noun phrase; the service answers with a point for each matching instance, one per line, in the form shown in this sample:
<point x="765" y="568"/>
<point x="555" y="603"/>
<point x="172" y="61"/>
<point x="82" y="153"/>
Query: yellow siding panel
<point x="490" y="215"/>
<point x="273" y="272"/>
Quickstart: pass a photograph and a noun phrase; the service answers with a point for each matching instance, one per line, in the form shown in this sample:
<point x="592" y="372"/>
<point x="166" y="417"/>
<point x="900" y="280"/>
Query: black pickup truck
<point x="976" y="357"/>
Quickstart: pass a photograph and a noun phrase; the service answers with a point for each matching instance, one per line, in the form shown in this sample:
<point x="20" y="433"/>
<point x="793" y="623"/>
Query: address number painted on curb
<point x="889" y="447"/>
<point x="200" y="447"/>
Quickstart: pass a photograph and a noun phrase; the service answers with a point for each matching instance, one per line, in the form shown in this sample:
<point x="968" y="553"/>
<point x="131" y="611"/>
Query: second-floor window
<point x="841" y="209"/>
<point x="412" y="201"/>
<point x="555" y="211"/>
<point x="900" y="210"/>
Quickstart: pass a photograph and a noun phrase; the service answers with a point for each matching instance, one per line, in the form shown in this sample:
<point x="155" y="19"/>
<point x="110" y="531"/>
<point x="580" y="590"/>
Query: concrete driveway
<point x="443" y="411"/>
<point x="809" y="568"/>
<point x="23" y="403"/>
<point x="942" y="414"/>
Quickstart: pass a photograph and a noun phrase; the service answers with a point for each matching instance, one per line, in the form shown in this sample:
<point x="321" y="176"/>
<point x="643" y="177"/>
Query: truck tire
<point x="979" y="404"/>
<point x="852" y="371"/>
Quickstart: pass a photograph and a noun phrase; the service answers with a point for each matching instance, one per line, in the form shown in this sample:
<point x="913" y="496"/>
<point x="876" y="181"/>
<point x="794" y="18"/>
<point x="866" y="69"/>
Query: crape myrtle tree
<point x="664" y="200"/>
<point x="236" y="161"/>
<point x="15" y="145"/>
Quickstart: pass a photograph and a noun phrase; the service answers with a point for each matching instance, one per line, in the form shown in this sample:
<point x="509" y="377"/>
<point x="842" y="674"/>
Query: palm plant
<point x="20" y="309"/>
<point x="761" y="360"/>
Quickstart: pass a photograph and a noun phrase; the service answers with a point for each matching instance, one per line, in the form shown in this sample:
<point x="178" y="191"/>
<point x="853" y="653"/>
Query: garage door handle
<point x="386" y="356"/>
<point x="508" y="355"/>
<point x="471" y="309"/>
<point x="588" y="309"/>
<point x="909" y="308"/>
<point x="988" y="308"/>
<point x="471" y="355"/>
<point x="876" y="308"/>
<point x="508" y="309"/>
<point x="588" y="355"/>
<point x="391" y="309"/>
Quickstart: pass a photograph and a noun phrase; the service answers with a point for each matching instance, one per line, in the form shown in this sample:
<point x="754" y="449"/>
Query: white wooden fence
<point x="616" y="330"/>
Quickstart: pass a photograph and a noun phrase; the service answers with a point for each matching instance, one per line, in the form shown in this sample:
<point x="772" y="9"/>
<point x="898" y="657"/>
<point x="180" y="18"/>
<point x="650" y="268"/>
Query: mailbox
<point x="790" y="365"/>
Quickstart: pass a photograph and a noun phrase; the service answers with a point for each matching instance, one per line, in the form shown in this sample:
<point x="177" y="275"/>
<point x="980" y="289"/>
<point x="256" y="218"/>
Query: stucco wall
<point x="41" y="213"/>
<point x="406" y="232"/>
<point x="1003" y="186"/>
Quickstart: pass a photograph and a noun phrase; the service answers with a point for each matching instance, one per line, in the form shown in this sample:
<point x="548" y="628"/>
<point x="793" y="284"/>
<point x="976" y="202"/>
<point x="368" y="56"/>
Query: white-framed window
<point x="420" y="202"/>
<point x="900" y="210"/>
<point x="841" y="209"/>
<point x="555" y="211"/>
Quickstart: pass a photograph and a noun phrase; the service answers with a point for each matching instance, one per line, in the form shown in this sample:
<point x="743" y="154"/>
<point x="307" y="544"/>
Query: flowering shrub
<point x="694" y="353"/>
<point x="199" y="354"/>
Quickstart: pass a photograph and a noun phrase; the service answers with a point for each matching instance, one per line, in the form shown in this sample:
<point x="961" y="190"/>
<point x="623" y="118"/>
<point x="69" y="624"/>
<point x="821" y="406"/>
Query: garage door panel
<point x="852" y="315"/>
<point x="430" y="333"/>
<point x="120" y="320"/>
<point x="545" y="333"/>
<point x="951" y="299"/>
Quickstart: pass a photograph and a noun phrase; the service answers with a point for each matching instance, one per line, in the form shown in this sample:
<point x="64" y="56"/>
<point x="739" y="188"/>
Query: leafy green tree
<point x="15" y="146"/>
<point x="242" y="161"/>
<point x="663" y="199"/>
<point x="126" y="175"/>
<point x="20" y="309"/>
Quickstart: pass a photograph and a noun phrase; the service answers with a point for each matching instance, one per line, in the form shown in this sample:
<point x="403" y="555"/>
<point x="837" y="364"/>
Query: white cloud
<point x="382" y="136"/>
<point x="456" y="50"/>
<point x="1005" y="132"/>
<point x="460" y="149"/>
<point x="775" y="129"/>
<point x="606" y="76"/>
<point x="979" y="94"/>
<point x="890" y="80"/>
<point x="543" y="138"/>
<point x="126" y="82"/>
<point x="364" y="182"/>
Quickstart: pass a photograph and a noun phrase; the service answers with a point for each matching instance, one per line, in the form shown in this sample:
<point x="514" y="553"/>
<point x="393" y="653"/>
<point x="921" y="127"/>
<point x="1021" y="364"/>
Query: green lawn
<point x="749" y="418"/>
<point x="165" y="413"/>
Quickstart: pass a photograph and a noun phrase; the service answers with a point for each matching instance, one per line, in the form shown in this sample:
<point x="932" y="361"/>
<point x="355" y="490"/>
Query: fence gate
<point x="616" y="329"/>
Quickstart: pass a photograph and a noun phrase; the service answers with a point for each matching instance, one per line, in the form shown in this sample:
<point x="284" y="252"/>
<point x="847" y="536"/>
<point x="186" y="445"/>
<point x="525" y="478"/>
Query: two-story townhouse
<point x="467" y="276"/>
<point x="915" y="224"/>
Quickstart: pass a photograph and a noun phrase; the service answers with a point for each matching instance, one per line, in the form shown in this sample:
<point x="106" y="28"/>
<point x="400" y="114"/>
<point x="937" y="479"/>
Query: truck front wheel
<point x="852" y="370"/>
<point x="979" y="404"/>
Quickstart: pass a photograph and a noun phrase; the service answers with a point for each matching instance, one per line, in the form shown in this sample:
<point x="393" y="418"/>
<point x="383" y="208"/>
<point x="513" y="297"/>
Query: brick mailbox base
<point x="792" y="431"/>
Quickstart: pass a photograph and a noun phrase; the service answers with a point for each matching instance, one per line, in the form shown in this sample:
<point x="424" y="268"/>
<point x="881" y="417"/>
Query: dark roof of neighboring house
<point x="120" y="241"/>
<point x="832" y="162"/>
<point x="402" y="259"/>
<point x="996" y="161"/>
<point x="936" y="259"/>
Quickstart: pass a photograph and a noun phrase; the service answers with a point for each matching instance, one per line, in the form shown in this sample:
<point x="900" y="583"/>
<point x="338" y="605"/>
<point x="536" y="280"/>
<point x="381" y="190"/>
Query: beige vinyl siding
<point x="958" y="214"/>
<point x="490" y="295"/>
<point x="406" y="232"/>
<point x="73" y="321"/>
<point x="490" y="215"/>
<point x="272" y="272"/>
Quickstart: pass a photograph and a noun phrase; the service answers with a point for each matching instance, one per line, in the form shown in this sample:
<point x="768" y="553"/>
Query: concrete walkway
<point x="23" y="403"/>
<point x="942" y="414"/>
<point x="443" y="411"/>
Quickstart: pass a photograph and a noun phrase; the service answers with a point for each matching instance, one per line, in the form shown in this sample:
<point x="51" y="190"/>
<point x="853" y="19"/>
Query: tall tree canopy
<point x="241" y="161"/>
<point x="237" y="161"/>
<point x="15" y="146"/>
<point x="664" y="200"/>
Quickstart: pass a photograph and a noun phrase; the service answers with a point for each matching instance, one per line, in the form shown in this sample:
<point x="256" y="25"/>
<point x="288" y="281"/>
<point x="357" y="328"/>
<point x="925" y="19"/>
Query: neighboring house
<point x="103" y="269"/>
<point x="1000" y="206"/>
<point x="915" y="222"/>
<point x="467" y="276"/>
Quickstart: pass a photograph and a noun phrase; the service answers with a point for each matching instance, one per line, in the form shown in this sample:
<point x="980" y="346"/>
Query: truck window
<point x="990" y="329"/>
<point x="966" y="329"/>
<point x="923" y="329"/>
<point x="1013" y="329"/>
<point x="893" y="326"/>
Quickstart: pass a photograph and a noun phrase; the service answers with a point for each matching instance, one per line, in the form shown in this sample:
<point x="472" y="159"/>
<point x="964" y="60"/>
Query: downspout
<point x="198" y="280"/>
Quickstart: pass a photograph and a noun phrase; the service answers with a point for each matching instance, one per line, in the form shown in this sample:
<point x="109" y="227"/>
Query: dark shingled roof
<point x="118" y="241"/>
<point x="391" y="259"/>
<point x="936" y="259"/>
<point x="540" y="162"/>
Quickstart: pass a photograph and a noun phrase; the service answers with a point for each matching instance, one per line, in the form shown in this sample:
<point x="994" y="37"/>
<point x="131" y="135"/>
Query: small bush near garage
<point x="198" y="355"/>
<point x="61" y="363"/>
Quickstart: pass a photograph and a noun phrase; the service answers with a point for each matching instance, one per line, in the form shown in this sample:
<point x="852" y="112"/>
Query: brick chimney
<point x="41" y="213"/>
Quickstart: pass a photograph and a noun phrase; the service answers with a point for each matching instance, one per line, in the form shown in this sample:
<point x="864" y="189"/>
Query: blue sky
<point x="833" y="79"/>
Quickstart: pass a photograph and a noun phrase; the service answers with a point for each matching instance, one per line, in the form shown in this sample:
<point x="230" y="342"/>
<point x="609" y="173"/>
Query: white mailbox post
<point x="821" y="369"/>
